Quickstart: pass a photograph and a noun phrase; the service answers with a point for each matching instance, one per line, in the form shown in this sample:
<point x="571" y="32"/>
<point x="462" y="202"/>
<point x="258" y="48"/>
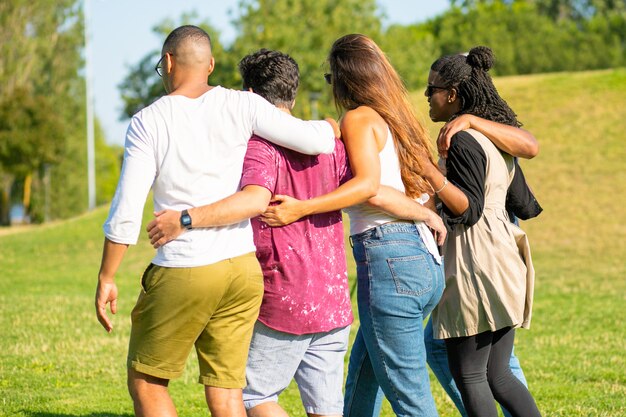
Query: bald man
<point x="204" y="288"/>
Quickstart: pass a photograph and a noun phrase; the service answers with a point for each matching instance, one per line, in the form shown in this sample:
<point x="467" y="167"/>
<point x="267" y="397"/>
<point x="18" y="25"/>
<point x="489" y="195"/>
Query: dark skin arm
<point x="452" y="197"/>
<point x="512" y="140"/>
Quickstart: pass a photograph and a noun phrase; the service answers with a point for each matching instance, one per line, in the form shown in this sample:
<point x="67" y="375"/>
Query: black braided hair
<point x="470" y="78"/>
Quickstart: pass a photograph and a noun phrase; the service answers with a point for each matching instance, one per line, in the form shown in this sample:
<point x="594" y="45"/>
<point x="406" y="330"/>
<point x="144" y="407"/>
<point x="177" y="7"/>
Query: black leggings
<point x="480" y="367"/>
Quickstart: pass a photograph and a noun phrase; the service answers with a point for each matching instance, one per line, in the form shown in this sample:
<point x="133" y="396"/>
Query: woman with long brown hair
<point x="399" y="272"/>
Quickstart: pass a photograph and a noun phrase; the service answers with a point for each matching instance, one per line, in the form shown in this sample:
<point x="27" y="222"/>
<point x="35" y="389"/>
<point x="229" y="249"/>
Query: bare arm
<point x="512" y="140"/>
<point x="397" y="204"/>
<point x="362" y="131"/>
<point x="251" y="201"/>
<point x="452" y="197"/>
<point x="106" y="291"/>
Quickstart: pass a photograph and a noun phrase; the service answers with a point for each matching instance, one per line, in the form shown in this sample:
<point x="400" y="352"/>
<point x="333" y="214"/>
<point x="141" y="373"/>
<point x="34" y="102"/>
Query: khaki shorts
<point x="213" y="307"/>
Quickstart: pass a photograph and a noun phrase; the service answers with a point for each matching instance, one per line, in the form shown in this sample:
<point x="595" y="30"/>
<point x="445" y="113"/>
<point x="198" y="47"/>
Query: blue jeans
<point x="399" y="283"/>
<point x="438" y="361"/>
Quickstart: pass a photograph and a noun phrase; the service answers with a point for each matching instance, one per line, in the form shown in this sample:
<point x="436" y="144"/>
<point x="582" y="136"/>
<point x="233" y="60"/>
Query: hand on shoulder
<point x="450" y="129"/>
<point x="333" y="123"/>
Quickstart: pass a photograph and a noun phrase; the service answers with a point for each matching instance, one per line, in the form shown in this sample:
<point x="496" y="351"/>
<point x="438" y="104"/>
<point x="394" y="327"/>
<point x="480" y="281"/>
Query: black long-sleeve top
<point x="466" y="168"/>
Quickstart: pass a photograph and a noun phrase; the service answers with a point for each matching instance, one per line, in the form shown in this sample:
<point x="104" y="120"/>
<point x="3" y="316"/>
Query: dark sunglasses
<point x="329" y="78"/>
<point x="430" y="89"/>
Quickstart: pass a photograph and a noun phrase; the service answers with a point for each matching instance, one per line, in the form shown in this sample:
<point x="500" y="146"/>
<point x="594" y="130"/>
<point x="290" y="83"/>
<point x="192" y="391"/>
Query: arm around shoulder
<point x="307" y="137"/>
<point x="512" y="140"/>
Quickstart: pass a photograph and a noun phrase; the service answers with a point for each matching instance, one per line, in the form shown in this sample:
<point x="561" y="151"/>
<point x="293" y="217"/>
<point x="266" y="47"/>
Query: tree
<point x="305" y="30"/>
<point x="579" y="10"/>
<point x="557" y="10"/>
<point x="312" y="28"/>
<point x="30" y="133"/>
<point x="42" y="146"/>
<point x="38" y="69"/>
<point x="527" y="40"/>
<point x="411" y="50"/>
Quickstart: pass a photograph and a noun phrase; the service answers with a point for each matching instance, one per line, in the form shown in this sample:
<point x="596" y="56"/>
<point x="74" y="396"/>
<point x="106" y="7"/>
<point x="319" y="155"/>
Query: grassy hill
<point x="55" y="360"/>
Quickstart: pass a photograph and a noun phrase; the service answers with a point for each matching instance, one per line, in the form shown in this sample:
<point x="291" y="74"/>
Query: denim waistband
<point x="399" y="226"/>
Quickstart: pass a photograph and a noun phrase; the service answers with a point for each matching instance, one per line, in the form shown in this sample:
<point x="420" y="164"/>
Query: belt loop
<point x="379" y="232"/>
<point x="351" y="241"/>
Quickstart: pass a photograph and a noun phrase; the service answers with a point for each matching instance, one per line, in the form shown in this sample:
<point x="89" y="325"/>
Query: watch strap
<point x="185" y="219"/>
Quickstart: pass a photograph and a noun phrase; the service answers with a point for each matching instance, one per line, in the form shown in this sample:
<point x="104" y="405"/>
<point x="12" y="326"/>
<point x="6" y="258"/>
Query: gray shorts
<point x="315" y="361"/>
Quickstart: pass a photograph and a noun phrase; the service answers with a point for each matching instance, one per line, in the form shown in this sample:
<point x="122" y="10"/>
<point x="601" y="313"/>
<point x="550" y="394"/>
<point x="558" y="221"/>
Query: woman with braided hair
<point x="488" y="268"/>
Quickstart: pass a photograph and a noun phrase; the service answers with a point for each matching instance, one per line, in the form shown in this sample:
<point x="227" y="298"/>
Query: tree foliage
<point x="42" y="106"/>
<point x="555" y="9"/>
<point x="42" y="131"/>
<point x="411" y="50"/>
<point x="529" y="37"/>
<point x="305" y="30"/>
<point x="141" y="86"/>
<point x="314" y="25"/>
<point x="37" y="69"/>
<point x="30" y="133"/>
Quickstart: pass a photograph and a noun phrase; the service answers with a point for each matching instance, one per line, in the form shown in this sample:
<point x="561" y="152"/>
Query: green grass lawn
<point x="56" y="360"/>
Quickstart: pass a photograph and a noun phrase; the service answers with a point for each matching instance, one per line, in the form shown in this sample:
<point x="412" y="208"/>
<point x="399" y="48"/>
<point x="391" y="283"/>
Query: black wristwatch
<point x="185" y="219"/>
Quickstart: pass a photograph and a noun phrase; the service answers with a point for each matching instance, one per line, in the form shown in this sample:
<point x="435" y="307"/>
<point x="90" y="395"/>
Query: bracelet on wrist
<point x="445" y="182"/>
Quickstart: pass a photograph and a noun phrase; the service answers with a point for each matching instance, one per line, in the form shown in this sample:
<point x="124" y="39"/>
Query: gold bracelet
<point x="445" y="182"/>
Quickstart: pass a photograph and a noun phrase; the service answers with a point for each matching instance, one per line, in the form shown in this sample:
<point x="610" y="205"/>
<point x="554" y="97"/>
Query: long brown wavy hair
<point x="362" y="76"/>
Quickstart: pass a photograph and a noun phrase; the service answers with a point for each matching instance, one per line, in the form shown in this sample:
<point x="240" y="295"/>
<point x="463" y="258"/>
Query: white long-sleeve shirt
<point x="190" y="152"/>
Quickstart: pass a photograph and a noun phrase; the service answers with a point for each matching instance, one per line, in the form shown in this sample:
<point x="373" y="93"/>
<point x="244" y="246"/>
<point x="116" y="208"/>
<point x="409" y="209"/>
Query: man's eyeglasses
<point x="430" y="89"/>
<point x="329" y="78"/>
<point x="159" y="66"/>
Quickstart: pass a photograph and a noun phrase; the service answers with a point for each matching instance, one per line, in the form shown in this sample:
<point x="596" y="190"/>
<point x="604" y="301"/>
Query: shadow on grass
<point x="46" y="414"/>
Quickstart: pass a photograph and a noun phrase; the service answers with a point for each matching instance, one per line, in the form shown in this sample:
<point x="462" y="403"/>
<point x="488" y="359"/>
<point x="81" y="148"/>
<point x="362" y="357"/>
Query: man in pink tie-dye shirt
<point x="304" y="322"/>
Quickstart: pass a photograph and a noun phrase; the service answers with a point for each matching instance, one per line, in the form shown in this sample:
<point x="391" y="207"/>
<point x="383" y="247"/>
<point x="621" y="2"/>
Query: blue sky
<point x="121" y="34"/>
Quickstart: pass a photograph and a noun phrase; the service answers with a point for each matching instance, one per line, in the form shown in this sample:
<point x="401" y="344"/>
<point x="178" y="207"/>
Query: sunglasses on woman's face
<point x="430" y="89"/>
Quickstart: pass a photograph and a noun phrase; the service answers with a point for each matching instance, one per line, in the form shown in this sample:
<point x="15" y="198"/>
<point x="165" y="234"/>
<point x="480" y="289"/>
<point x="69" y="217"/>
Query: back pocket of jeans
<point x="411" y="274"/>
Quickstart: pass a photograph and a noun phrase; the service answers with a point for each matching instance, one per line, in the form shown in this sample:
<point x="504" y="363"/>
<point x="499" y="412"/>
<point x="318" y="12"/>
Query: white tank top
<point x="364" y="216"/>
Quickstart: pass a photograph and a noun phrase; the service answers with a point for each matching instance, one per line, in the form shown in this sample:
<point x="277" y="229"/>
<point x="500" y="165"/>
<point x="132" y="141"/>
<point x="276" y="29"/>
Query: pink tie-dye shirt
<point x="304" y="263"/>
